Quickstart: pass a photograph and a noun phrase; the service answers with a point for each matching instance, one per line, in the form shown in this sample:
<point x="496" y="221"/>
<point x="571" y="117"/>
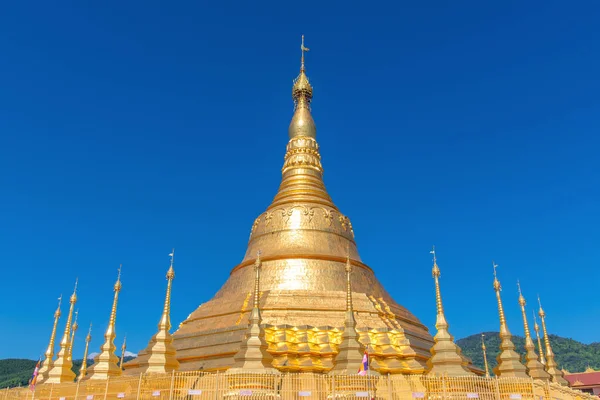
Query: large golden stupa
<point x="304" y="241"/>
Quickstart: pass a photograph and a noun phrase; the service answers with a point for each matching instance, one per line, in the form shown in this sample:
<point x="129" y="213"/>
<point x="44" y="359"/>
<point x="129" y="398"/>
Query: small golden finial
<point x="436" y="269"/>
<point x="497" y="285"/>
<point x="521" y="298"/>
<point x="348" y="268"/>
<point x="171" y="271"/>
<point x="118" y="284"/>
<point x="541" y="313"/>
<point x="123" y="348"/>
<point x="304" y="50"/>
<point x="88" y="338"/>
<point x="73" y="298"/>
<point x="74" y="328"/>
<point x="485" y="362"/>
<point x="257" y="267"/>
<point x="435" y="272"/>
<point x="302" y="124"/>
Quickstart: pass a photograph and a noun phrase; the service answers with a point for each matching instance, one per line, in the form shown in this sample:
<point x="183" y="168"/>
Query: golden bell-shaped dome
<point x="306" y="245"/>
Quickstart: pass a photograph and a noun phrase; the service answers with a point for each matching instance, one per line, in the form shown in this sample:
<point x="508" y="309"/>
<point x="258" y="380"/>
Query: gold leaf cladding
<point x="308" y="217"/>
<point x="244" y="305"/>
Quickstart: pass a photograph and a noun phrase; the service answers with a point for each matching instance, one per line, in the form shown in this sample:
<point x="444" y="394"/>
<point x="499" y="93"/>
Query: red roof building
<point x="588" y="381"/>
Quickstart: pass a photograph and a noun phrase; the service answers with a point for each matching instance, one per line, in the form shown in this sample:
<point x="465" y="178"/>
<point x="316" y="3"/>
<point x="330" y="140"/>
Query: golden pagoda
<point x="61" y="370"/>
<point x="253" y="355"/>
<point x="446" y="357"/>
<point x="48" y="361"/>
<point x="160" y="355"/>
<point x="350" y="356"/>
<point x="535" y="368"/>
<point x="556" y="375"/>
<point x="83" y="369"/>
<point x="305" y="243"/>
<point x="106" y="363"/>
<point x="509" y="361"/>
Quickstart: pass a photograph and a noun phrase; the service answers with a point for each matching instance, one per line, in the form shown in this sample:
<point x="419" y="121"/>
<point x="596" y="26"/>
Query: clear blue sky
<point x="129" y="128"/>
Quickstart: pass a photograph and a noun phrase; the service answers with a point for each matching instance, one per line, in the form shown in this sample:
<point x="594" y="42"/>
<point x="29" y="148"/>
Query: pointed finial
<point x="521" y="298"/>
<point x="435" y="272"/>
<point x="171" y="271"/>
<point x="304" y="50"/>
<point x="541" y="313"/>
<point x="88" y="338"/>
<point x="436" y="269"/>
<point x="302" y="123"/>
<point x="118" y="282"/>
<point x="75" y="325"/>
<point x="497" y="285"/>
<point x="57" y="312"/>
<point x="73" y="298"/>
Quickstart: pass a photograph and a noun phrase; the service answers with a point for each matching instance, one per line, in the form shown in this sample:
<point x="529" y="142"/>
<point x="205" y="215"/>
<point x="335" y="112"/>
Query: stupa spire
<point x="48" y="361"/>
<point x="349" y="357"/>
<point x="105" y="364"/>
<point x="73" y="330"/>
<point x="160" y="356"/>
<point x="446" y="358"/>
<point x="485" y="361"/>
<point x="535" y="368"/>
<point x="83" y="369"/>
<point x="509" y="363"/>
<point x="253" y="354"/>
<point x="61" y="371"/>
<point x="551" y="365"/>
<point x="536" y="327"/>
<point x="302" y="173"/>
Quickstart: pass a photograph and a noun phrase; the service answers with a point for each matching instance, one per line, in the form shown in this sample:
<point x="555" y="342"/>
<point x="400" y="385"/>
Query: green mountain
<point x="570" y="354"/>
<point x="17" y="372"/>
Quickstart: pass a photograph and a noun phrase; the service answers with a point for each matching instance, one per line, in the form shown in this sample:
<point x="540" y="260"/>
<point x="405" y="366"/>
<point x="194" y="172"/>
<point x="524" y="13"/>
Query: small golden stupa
<point x="307" y="247"/>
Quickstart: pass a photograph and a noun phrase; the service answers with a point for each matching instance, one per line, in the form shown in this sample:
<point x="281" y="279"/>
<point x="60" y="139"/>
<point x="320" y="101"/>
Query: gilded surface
<point x="304" y="241"/>
<point x="509" y="361"/>
<point x="293" y="386"/>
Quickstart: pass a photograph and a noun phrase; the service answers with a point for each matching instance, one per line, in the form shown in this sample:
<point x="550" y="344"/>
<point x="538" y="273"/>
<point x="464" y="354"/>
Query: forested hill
<point x="570" y="354"/>
<point x="17" y="372"/>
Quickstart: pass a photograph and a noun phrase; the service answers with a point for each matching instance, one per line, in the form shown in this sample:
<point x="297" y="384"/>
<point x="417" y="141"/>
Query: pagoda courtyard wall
<point x="197" y="385"/>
